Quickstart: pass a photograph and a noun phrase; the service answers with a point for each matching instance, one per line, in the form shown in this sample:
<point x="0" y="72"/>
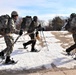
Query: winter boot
<point x="2" y="55"/>
<point x="24" y="45"/>
<point x="34" y="50"/>
<point x="68" y="53"/>
<point x="8" y="60"/>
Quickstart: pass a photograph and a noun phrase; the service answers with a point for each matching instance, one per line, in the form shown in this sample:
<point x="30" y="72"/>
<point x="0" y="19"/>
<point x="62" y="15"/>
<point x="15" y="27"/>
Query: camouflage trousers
<point x="73" y="46"/>
<point x="9" y="43"/>
<point x="74" y="37"/>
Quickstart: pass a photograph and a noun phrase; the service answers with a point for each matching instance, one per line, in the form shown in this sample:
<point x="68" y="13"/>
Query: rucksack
<point x="26" y="22"/>
<point x="73" y="22"/>
<point x="67" y="25"/>
<point x="71" y="25"/>
<point x="4" y="20"/>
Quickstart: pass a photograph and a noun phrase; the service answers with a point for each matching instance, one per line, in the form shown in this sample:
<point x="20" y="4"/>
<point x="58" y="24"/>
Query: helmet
<point x="72" y="15"/>
<point x="14" y="13"/>
<point x="28" y="17"/>
<point x="35" y="18"/>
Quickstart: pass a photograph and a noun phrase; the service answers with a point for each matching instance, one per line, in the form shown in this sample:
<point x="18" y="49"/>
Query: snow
<point x="51" y="53"/>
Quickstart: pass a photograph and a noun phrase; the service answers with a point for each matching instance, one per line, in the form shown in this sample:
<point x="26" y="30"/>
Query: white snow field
<point x="55" y="42"/>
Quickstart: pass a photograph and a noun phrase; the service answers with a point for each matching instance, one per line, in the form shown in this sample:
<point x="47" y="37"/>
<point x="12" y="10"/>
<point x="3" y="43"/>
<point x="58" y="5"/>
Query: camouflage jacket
<point x="12" y="27"/>
<point x="32" y="26"/>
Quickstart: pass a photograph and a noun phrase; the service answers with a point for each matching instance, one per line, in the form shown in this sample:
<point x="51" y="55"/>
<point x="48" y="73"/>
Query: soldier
<point x="33" y="35"/>
<point x="9" y="39"/>
<point x="72" y="29"/>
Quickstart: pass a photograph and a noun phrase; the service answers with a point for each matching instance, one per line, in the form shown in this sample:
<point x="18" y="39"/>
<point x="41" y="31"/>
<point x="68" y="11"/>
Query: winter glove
<point x="21" y="32"/>
<point x="39" y="26"/>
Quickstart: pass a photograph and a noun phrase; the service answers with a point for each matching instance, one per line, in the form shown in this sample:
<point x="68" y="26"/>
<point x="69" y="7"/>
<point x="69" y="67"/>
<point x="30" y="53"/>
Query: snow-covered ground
<point x="55" y="43"/>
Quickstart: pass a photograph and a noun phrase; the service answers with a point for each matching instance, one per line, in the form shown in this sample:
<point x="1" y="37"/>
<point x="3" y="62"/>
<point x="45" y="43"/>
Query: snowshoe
<point x="9" y="61"/>
<point x="34" y="50"/>
<point x="65" y="53"/>
<point x="74" y="58"/>
<point x="24" y="46"/>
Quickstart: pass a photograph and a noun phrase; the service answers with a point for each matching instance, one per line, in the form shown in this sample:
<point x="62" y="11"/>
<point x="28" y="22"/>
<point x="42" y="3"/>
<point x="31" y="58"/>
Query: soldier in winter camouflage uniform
<point x="73" y="31"/>
<point x="9" y="39"/>
<point x="33" y="35"/>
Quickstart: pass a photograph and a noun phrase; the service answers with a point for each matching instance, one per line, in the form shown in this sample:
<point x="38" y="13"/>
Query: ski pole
<point x="19" y="37"/>
<point x="16" y="39"/>
<point x="45" y="41"/>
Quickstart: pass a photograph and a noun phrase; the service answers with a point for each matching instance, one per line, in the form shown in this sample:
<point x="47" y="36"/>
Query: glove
<point x="21" y="32"/>
<point x="39" y="26"/>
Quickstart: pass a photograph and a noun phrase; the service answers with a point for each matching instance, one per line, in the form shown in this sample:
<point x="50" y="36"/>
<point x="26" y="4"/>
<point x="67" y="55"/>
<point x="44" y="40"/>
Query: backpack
<point x="73" y="22"/>
<point x="73" y="25"/>
<point x="4" y="20"/>
<point x="26" y="23"/>
<point x="67" y="26"/>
